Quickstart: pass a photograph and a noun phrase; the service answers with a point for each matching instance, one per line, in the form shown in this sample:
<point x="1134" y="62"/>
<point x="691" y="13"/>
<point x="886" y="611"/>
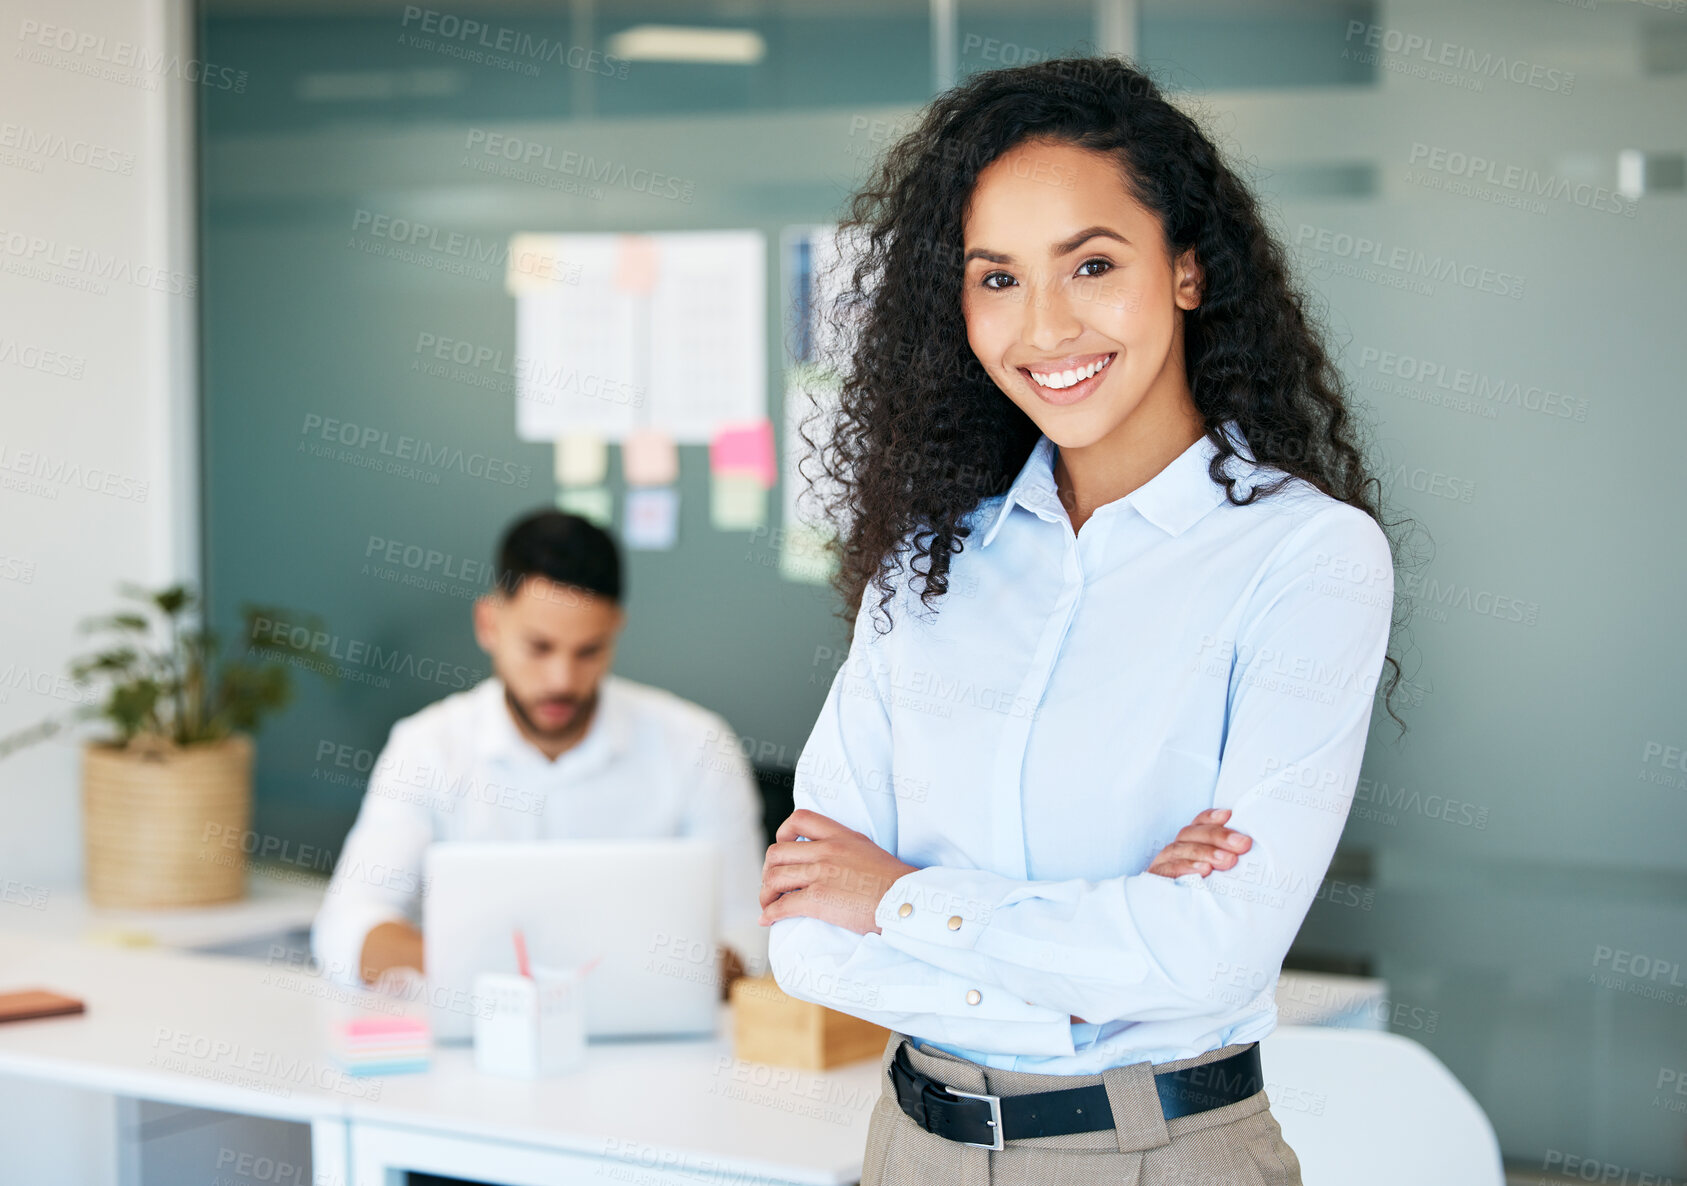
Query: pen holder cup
<point x="529" y="1026"/>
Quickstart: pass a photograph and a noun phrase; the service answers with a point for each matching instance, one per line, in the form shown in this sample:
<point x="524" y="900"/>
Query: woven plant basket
<point x="165" y="825"/>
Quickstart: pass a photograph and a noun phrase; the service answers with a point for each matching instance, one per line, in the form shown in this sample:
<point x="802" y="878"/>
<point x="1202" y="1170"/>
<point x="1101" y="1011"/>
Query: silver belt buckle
<point x="995" y="1102"/>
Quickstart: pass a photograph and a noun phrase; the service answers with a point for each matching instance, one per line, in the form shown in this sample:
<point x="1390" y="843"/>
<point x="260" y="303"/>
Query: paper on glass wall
<point x="806" y="525"/>
<point x="590" y="502"/>
<point x="737" y="502"/>
<point x="652" y="518"/>
<point x="641" y="331"/>
<point x="649" y="458"/>
<point x="582" y="459"/>
<point x="745" y="449"/>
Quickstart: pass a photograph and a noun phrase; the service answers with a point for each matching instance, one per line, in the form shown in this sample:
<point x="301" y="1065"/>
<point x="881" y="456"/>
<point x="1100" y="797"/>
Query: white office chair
<point x="1363" y="1106"/>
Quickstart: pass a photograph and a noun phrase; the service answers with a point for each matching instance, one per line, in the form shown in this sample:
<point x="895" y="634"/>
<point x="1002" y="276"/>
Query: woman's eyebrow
<point x="1055" y="252"/>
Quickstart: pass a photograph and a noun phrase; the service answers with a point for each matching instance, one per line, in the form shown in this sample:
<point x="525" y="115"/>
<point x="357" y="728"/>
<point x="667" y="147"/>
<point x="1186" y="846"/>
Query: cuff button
<point x="954" y="922"/>
<point x="974" y="996"/>
<point x="904" y="910"/>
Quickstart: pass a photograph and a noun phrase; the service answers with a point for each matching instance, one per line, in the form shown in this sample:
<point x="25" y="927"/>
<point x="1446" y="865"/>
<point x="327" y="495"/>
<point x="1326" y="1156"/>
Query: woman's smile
<point x="1067" y="381"/>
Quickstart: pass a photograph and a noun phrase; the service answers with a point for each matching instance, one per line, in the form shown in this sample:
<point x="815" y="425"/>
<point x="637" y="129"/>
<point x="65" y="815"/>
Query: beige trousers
<point x="1236" y="1145"/>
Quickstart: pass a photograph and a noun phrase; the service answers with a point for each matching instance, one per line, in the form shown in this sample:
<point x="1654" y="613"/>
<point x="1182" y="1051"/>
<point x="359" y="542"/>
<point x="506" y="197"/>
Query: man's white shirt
<point x="651" y="764"/>
<point x="1072" y="702"/>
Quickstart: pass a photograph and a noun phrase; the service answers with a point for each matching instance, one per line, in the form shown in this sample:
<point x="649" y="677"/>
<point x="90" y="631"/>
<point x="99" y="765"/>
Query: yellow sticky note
<point x="737" y="502"/>
<point x="120" y="937"/>
<point x="803" y="555"/>
<point x="582" y="459"/>
<point x="534" y="263"/>
<point x="589" y="502"/>
<point x="649" y="458"/>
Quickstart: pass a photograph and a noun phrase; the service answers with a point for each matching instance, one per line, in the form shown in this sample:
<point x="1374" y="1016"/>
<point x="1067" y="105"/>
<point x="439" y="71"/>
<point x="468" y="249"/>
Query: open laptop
<point x="646" y="909"/>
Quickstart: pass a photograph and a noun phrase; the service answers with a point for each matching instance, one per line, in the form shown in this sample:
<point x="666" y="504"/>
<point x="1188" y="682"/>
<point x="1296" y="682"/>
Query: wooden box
<point x="771" y="1026"/>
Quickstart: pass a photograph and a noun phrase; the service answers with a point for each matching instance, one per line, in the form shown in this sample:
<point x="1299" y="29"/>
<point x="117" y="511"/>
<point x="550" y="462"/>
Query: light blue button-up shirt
<point x="1071" y="703"/>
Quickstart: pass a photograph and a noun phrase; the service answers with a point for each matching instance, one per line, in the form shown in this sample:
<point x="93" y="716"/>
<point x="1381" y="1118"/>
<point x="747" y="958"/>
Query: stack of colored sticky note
<point x="382" y="1045"/>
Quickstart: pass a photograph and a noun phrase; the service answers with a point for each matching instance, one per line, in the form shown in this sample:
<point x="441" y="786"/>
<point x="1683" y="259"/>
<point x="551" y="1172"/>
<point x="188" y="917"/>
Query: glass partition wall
<point x="1485" y="198"/>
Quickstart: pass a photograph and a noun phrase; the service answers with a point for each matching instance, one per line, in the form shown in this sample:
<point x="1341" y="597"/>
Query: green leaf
<point x="174" y="599"/>
<point x="134" y="622"/>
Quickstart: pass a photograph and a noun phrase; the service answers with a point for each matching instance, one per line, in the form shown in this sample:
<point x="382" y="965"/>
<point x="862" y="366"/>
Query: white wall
<point x="98" y="473"/>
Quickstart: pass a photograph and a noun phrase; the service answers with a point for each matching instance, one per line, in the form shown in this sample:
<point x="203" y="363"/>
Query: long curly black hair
<point x="920" y="433"/>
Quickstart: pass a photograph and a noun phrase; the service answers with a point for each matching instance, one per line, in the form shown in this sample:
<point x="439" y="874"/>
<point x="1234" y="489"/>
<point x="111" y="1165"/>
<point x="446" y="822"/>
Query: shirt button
<point x="904" y="910"/>
<point x="954" y="922"/>
<point x="974" y="996"/>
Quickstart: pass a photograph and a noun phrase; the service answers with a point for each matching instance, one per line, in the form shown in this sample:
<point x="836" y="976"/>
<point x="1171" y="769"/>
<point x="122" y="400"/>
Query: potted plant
<point x="162" y="796"/>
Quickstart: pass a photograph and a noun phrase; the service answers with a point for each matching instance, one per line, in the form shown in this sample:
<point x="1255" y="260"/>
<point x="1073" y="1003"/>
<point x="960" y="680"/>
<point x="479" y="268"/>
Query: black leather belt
<point x="978" y="1118"/>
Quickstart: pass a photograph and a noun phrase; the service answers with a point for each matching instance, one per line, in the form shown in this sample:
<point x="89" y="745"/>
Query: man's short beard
<point x="578" y="722"/>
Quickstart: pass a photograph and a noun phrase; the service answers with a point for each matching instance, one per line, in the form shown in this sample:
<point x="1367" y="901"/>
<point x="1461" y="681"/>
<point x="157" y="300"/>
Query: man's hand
<point x="837" y="875"/>
<point x="390" y="945"/>
<point x="731" y="968"/>
<point x="1203" y="846"/>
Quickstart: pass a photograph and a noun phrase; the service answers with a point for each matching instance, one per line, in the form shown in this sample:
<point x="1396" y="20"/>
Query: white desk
<point x="237" y="1036"/>
<point x="241" y="1036"/>
<point x="275" y="904"/>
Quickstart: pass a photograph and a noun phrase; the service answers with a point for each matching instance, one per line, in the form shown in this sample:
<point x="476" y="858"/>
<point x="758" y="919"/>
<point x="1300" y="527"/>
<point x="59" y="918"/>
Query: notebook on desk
<point x="30" y="1003"/>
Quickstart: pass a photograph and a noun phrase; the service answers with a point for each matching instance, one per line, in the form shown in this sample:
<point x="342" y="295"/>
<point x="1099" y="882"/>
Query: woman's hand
<point x="1203" y="846"/>
<point x="837" y="875"/>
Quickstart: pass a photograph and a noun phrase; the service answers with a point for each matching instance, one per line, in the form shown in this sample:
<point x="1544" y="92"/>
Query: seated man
<point x="551" y="746"/>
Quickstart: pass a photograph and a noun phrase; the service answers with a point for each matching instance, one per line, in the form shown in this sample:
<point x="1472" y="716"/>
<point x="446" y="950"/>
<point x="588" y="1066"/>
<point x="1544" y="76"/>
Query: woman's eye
<point x="1105" y="265"/>
<point x="993" y="276"/>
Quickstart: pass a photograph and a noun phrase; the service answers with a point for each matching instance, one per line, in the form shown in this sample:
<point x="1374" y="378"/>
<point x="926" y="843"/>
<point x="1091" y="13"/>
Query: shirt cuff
<point x="936" y="905"/>
<point x="941" y="909"/>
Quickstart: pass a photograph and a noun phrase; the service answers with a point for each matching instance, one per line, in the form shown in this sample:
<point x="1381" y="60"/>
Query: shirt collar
<point x="610" y="731"/>
<point x="1173" y="499"/>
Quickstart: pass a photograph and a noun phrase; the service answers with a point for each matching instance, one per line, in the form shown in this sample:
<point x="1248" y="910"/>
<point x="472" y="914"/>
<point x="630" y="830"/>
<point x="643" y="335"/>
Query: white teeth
<point x="1062" y="379"/>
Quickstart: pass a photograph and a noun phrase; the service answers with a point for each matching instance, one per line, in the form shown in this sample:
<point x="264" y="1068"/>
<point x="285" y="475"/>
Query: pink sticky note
<point x="745" y="448"/>
<point x="648" y="458"/>
<point x="635" y="263"/>
<point x="362" y="1027"/>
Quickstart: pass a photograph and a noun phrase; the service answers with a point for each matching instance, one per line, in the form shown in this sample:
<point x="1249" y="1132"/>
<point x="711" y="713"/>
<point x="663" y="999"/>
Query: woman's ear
<point x="1190" y="280"/>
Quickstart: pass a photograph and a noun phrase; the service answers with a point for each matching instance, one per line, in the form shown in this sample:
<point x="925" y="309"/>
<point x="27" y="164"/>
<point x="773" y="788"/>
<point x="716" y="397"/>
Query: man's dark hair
<point x="560" y="547"/>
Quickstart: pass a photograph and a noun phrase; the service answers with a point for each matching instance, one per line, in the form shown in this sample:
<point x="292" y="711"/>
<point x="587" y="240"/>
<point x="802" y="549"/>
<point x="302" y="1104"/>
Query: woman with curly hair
<point x="1098" y="475"/>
